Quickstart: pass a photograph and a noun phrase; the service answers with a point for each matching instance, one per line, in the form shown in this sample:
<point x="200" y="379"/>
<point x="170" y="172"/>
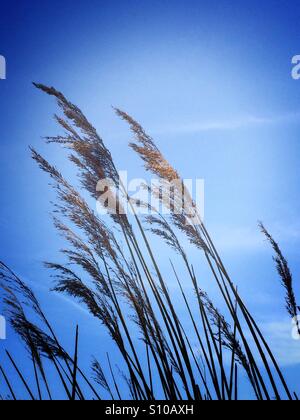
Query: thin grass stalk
<point x="200" y="397"/>
<point x="161" y="281"/>
<point x="247" y="316"/>
<point x="210" y="352"/>
<point x="46" y="384"/>
<point x="167" y="320"/>
<point x="233" y="357"/>
<point x="258" y="345"/>
<point x="250" y="356"/>
<point x="8" y="384"/>
<point x="282" y="379"/>
<point x="224" y="382"/>
<point x="56" y="364"/>
<point x="79" y="393"/>
<point x="208" y="333"/>
<point x="149" y="368"/>
<point x="213" y="377"/>
<point x="137" y="366"/>
<point x="160" y="345"/>
<point x="236" y="387"/>
<point x="211" y="369"/>
<point x="126" y="356"/>
<point x="113" y="378"/>
<point x="36" y="377"/>
<point x="233" y="312"/>
<point x="223" y="375"/>
<point x="179" y="337"/>
<point x="74" y="376"/>
<point x="20" y="376"/>
<point x="88" y="382"/>
<point x="254" y="368"/>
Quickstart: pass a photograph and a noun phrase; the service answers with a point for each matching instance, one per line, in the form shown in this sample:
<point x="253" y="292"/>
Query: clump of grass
<point x="110" y="267"/>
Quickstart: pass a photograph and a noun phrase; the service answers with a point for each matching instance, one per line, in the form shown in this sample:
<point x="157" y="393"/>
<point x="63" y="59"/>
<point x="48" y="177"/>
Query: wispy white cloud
<point x="229" y="124"/>
<point x="250" y="237"/>
<point x="241" y="237"/>
<point x="279" y="335"/>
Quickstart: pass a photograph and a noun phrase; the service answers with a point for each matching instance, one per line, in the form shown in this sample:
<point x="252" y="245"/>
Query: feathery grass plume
<point x="69" y="283"/>
<point x="73" y="207"/>
<point x="160" y="227"/>
<point x="16" y="295"/>
<point x="100" y="157"/>
<point x="41" y="341"/>
<point x="153" y="158"/>
<point x="228" y="337"/>
<point x="172" y="192"/>
<point x="13" y="283"/>
<point x="88" y="153"/>
<point x="100" y="378"/>
<point x="38" y="343"/>
<point x="285" y="275"/>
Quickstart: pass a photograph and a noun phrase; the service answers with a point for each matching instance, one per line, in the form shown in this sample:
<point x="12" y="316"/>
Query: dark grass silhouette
<point x="111" y="268"/>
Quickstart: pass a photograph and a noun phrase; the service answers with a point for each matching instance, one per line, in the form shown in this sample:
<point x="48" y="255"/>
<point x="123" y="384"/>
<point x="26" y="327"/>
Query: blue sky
<point x="210" y="80"/>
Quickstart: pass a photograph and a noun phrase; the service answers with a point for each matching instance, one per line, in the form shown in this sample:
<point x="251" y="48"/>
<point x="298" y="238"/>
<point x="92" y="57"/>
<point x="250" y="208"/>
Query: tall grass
<point x="111" y="267"/>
